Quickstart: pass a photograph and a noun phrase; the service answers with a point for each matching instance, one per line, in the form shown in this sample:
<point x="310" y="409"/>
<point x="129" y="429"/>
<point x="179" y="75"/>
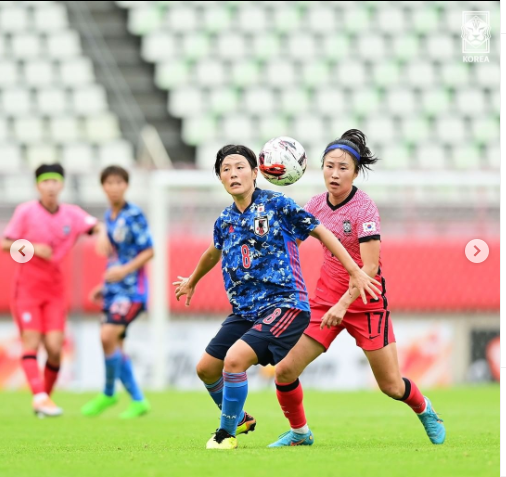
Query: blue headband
<point x="346" y="148"/>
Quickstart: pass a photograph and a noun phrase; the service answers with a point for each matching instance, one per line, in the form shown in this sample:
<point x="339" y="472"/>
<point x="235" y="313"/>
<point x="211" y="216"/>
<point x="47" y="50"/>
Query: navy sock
<point x="112" y="371"/>
<point x="128" y="379"/>
<point x="216" y="392"/>
<point x="234" y="396"/>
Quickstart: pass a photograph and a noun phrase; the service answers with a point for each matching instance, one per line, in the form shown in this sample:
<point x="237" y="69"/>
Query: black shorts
<point x="271" y="336"/>
<point x="121" y="313"/>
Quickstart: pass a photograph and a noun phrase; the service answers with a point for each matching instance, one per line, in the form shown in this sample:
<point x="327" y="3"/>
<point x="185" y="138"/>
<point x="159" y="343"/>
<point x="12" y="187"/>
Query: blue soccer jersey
<point x="260" y="257"/>
<point x="129" y="235"/>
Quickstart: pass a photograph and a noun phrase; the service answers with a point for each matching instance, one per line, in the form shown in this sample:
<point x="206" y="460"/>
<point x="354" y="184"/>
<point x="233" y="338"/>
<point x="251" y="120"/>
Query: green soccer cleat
<point x="248" y="424"/>
<point x="432" y="423"/>
<point x="136" y="409"/>
<point x="98" y="405"/>
<point x="222" y="440"/>
<point x="291" y="438"/>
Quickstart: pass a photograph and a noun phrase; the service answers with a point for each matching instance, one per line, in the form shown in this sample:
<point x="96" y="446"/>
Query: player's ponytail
<point x="234" y="149"/>
<point x="354" y="142"/>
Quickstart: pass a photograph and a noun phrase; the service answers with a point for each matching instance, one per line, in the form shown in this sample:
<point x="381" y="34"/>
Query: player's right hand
<point x="183" y="287"/>
<point x="43" y="251"/>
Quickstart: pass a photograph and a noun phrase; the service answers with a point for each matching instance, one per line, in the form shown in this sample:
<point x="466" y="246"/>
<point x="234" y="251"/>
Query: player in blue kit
<point x="256" y="239"/>
<point x="124" y="293"/>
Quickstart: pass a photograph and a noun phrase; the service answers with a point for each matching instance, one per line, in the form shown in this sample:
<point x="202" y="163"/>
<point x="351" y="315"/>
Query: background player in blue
<point x="124" y="293"/>
<point x="256" y="239"/>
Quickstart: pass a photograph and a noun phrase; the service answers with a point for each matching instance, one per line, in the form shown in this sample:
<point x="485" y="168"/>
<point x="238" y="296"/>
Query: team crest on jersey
<point x="347" y="227"/>
<point x="66" y="229"/>
<point x="261" y="226"/>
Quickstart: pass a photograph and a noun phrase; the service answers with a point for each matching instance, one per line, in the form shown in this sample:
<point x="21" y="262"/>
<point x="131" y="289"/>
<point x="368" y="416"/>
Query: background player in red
<point x="353" y="217"/>
<point x="39" y="301"/>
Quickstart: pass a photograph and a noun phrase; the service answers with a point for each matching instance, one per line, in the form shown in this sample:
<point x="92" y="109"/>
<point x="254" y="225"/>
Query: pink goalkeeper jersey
<point x="32" y="222"/>
<point x="354" y="221"/>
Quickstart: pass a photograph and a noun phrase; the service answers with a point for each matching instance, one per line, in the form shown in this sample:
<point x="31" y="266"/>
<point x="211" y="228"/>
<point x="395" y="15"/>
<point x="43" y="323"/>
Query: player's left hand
<point x="183" y="287"/>
<point x="334" y="316"/>
<point x="364" y="283"/>
<point x="115" y="274"/>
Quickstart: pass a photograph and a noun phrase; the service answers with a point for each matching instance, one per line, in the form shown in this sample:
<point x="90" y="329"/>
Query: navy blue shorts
<point x="123" y="313"/>
<point x="271" y="336"/>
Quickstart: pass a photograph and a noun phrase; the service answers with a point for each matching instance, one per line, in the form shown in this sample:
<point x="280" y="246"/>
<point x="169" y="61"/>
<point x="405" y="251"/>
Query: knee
<point x="109" y="342"/>
<point x="206" y="374"/>
<point x="393" y="389"/>
<point x="234" y="364"/>
<point x="54" y="354"/>
<point x="284" y="374"/>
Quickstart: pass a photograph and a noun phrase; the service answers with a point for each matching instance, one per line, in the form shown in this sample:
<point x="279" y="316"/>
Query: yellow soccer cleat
<point x="248" y="424"/>
<point x="222" y="440"/>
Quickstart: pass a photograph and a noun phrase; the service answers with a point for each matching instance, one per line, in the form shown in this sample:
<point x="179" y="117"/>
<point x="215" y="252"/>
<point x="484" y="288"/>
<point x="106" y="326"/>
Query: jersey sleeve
<point x="83" y="222"/>
<point x="368" y="223"/>
<point x="141" y="232"/>
<point x="298" y="221"/>
<point x="217" y="236"/>
<point x="16" y="227"/>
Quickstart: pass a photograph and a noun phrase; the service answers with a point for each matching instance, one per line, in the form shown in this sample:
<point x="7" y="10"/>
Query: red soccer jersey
<point x="354" y="221"/>
<point x="32" y="222"/>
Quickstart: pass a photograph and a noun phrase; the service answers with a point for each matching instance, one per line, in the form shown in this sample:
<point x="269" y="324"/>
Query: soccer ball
<point x="282" y="161"/>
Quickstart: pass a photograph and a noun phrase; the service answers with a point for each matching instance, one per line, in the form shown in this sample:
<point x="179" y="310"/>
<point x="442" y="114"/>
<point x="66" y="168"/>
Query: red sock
<point x="50" y="376"/>
<point x="413" y="397"/>
<point x="31" y="369"/>
<point x="290" y="399"/>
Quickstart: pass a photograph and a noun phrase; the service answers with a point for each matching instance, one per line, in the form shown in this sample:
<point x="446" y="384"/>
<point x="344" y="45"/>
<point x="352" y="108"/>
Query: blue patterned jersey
<point x="129" y="235"/>
<point x="260" y="257"/>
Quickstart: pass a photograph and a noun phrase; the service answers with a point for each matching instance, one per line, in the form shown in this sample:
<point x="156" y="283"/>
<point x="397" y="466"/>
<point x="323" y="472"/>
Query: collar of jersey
<point x="344" y="202"/>
<point x="109" y="211"/>
<point x="255" y="195"/>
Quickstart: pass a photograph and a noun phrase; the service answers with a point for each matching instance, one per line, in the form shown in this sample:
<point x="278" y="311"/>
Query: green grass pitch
<point x="356" y="434"/>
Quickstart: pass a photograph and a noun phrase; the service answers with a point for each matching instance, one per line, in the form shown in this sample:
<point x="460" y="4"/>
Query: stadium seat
<point x="431" y="156"/>
<point x="321" y="18"/>
<point x="286" y="18"/>
<point x="386" y="74"/>
<point x="29" y="130"/>
<point x="230" y="45"/>
<point x="405" y="47"/>
<point x="9" y="73"/>
<point x="371" y="47"/>
<point x="50" y="18"/>
<point x="294" y="101"/>
<point x="260" y="100"/>
<point x="336" y="46"/>
<point x="52" y="101"/>
<point x="210" y="73"/>
<point x="487" y="75"/>
<point x="78" y="157"/>
<point x="451" y="129"/>
<point x="455" y="75"/>
<point x="365" y="101"/>
<point x="16" y="102"/>
<point x="401" y="101"/>
<point x="198" y="129"/>
<point x="245" y="73"/>
<point x="265" y="46"/>
<point x="415" y="129"/>
<point x="314" y="74"/>
<point x="485" y="129"/>
<point x="493" y="155"/>
<point x="252" y="19"/>
<point x="425" y="20"/>
<point x="14" y="19"/>
<point x="77" y="71"/>
<point x="89" y="100"/>
<point x="39" y="73"/>
<point x="195" y="46"/>
<point x="12" y="158"/>
<point x="19" y="188"/>
<point x="394" y="157"/>
<point x="272" y="126"/>
<point x="171" y="74"/>
<point x="42" y="153"/>
<point x="64" y="44"/>
<point x="238" y="128"/>
<point x="302" y="45"/>
<point x="471" y="102"/>
<point x="102" y="127"/>
<point x="144" y="19"/>
<point x="309" y="128"/>
<point x="223" y="100"/>
<point x="215" y="19"/>
<point x="119" y="153"/>
<point x="421" y="74"/>
<point x="182" y="19"/>
<point x="391" y="20"/>
<point x="158" y="46"/>
<point x="466" y="157"/>
<point x="186" y="101"/>
<point x="351" y="73"/>
<point x="441" y="47"/>
<point x="25" y="46"/>
<point x="435" y="101"/>
<point x="65" y="129"/>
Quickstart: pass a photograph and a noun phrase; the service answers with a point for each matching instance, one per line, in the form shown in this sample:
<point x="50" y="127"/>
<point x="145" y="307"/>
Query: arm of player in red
<point x="186" y="286"/>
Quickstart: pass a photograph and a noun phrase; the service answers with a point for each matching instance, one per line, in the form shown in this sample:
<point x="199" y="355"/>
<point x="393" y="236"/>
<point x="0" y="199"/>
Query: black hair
<point x="229" y="149"/>
<point x="355" y="139"/>
<point x="114" y="171"/>
<point x="45" y="168"/>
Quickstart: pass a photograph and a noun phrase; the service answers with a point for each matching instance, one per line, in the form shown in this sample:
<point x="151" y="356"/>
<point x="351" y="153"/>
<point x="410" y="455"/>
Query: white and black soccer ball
<point x="282" y="161"/>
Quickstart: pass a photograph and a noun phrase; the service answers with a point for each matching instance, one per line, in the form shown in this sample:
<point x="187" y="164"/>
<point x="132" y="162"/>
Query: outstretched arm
<point x="186" y="286"/>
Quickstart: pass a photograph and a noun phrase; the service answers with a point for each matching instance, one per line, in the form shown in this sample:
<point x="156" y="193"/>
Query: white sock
<point x="426" y="407"/>
<point x="39" y="397"/>
<point x="301" y="430"/>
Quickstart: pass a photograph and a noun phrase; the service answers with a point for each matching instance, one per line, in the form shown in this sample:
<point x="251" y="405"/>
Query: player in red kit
<point x="354" y="219"/>
<point x="38" y="294"/>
